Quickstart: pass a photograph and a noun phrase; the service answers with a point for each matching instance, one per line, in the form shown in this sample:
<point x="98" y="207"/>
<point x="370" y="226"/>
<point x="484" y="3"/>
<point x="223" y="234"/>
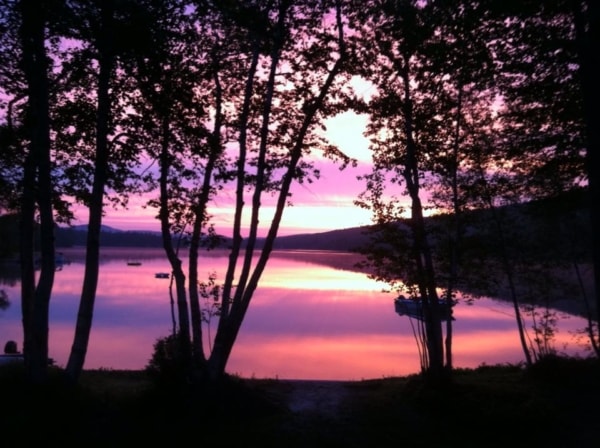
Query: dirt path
<point x="314" y="397"/>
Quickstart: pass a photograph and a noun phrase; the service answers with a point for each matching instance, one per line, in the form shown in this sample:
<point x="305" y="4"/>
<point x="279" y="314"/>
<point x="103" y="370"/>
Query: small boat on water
<point x="161" y="275"/>
<point x="134" y="263"/>
<point x="414" y="308"/>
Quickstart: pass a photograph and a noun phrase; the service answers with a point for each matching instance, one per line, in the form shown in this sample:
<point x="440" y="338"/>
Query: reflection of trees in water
<point x="108" y="254"/>
<point x="337" y="260"/>
<point x="345" y="261"/>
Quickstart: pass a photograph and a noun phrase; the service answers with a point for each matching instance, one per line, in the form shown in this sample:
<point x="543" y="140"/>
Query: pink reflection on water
<point x="346" y="357"/>
<point x="307" y="320"/>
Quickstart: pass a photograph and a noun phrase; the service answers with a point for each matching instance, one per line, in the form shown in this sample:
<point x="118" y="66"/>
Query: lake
<point x="313" y="317"/>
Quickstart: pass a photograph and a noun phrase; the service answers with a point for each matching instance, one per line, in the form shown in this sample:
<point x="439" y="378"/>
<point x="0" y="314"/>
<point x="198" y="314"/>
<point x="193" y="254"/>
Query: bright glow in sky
<point x="326" y="204"/>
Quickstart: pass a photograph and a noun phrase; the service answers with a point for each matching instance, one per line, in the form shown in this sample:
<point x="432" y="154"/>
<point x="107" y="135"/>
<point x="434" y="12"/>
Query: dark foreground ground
<point x="554" y="404"/>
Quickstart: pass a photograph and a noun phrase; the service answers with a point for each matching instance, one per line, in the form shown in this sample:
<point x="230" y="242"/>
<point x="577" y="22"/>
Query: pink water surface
<point x="308" y="320"/>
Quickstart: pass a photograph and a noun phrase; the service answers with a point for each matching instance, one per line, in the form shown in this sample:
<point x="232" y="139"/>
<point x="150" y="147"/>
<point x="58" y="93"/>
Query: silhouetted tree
<point x="103" y="41"/>
<point x="586" y="17"/>
<point x="263" y="75"/>
<point x="44" y="101"/>
<point x="178" y="75"/>
<point x="542" y="50"/>
<point x="430" y="78"/>
<point x="460" y="57"/>
<point x="301" y="48"/>
<point x="37" y="188"/>
<point x="98" y="98"/>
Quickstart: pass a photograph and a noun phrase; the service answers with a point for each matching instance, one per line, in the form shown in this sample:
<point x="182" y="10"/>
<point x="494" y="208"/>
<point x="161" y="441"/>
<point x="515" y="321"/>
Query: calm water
<point x="312" y="317"/>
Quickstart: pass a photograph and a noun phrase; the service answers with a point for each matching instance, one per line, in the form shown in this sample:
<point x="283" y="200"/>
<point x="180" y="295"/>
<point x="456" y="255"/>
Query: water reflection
<point x="307" y="319"/>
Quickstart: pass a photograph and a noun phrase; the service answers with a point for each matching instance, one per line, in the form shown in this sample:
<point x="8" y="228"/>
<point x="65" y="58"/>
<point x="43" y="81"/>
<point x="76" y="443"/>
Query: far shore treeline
<point x="352" y="239"/>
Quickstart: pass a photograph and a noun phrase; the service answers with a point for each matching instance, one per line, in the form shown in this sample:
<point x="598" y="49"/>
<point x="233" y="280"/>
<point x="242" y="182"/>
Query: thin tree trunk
<point x="27" y="254"/>
<point x="422" y="253"/>
<point x="90" y="280"/>
<point x="199" y="220"/>
<point x="183" y="333"/>
<point x="455" y="232"/>
<point x="195" y="308"/>
<point x="36" y="299"/>
<point x="508" y="270"/>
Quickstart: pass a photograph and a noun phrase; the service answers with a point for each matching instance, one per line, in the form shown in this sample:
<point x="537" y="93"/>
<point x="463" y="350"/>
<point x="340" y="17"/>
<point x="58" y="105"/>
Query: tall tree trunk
<point x="455" y="231"/>
<point x="422" y="252"/>
<point x="588" y="42"/>
<point x="27" y="254"/>
<point x="508" y="270"/>
<point x="90" y="280"/>
<point x="183" y="334"/>
<point x="36" y="299"/>
<point x="195" y="307"/>
<point x="199" y="220"/>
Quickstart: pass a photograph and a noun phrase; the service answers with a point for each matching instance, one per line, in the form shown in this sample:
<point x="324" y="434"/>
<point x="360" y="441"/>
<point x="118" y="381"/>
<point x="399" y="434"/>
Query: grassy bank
<point x="554" y="404"/>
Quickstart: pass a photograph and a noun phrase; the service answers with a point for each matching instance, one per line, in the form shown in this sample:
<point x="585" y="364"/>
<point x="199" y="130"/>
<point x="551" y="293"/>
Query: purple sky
<point x="326" y="204"/>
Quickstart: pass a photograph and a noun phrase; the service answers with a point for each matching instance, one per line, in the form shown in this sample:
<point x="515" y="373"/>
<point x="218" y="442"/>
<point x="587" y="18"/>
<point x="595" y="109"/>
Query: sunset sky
<point x="326" y="204"/>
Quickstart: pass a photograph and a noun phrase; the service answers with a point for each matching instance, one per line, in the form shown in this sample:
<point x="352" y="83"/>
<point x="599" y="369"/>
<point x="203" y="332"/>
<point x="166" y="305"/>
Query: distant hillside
<point x="103" y="228"/>
<point x="109" y="237"/>
<point x="546" y="211"/>
<point x="338" y="240"/>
